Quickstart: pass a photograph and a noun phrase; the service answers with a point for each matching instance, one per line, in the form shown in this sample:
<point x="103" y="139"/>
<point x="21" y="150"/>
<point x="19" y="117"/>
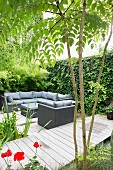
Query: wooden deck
<point x="57" y="143"/>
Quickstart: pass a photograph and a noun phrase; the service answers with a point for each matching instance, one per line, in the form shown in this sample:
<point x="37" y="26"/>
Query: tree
<point x="71" y="19"/>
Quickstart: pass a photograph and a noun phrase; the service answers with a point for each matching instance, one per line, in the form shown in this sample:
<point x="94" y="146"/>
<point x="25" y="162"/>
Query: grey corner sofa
<point x="51" y="106"/>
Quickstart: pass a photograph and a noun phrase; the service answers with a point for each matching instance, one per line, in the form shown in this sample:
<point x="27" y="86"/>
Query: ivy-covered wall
<point x="60" y="78"/>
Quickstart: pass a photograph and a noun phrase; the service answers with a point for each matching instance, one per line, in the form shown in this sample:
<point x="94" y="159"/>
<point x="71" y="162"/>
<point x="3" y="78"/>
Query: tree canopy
<point x="46" y="36"/>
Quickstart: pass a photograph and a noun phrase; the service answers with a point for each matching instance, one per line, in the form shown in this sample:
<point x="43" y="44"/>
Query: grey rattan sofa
<point x="58" y="116"/>
<point x="51" y="106"/>
<point x="13" y="100"/>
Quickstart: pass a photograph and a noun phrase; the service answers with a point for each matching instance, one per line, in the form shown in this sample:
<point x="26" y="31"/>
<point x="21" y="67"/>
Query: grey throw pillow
<point x="9" y="99"/>
<point x="62" y="103"/>
<point x="64" y="97"/>
<point x="52" y="96"/>
<point x="14" y="95"/>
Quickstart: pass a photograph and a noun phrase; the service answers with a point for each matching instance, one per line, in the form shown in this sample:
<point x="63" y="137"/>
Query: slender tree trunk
<point x="73" y="81"/>
<point x="99" y="77"/>
<point x="75" y="95"/>
<point x="82" y="87"/>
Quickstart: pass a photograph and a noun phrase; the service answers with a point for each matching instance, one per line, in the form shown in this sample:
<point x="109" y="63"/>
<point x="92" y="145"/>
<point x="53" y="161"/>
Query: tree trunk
<point x="99" y="77"/>
<point x="75" y="95"/>
<point x="82" y="87"/>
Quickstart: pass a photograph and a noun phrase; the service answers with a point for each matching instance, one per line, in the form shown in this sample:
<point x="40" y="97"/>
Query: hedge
<point x="61" y="80"/>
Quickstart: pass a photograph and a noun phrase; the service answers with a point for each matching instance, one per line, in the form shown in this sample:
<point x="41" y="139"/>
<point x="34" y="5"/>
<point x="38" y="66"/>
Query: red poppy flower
<point x="9" y="153"/>
<point x="19" y="156"/>
<point x="3" y="155"/>
<point x="37" y="145"/>
<point x="6" y="154"/>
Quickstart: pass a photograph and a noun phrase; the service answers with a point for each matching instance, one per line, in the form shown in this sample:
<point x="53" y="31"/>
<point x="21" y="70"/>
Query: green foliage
<point x="34" y="165"/>
<point x="9" y="55"/>
<point x="97" y="159"/>
<point x="109" y="109"/>
<point x="23" y="78"/>
<point x="8" y="128"/>
<point x="61" y="80"/>
<point x="46" y="36"/>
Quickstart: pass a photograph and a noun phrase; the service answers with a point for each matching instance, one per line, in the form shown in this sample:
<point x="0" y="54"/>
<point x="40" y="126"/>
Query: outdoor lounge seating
<point x="14" y="100"/>
<point x="58" y="116"/>
<point x="44" y="105"/>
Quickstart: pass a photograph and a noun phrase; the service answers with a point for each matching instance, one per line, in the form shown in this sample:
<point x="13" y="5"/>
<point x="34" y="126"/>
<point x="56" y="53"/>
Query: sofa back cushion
<point x="26" y="95"/>
<point x="14" y="95"/>
<point x="37" y="94"/>
<point x="64" y="97"/>
<point x="44" y="95"/>
<point x="62" y="103"/>
<point x="52" y="96"/>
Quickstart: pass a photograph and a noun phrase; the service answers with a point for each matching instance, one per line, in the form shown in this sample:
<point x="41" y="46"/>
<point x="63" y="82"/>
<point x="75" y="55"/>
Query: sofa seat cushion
<point x="37" y="94"/>
<point x="14" y="95"/>
<point x="41" y="100"/>
<point x="52" y="96"/>
<point x="30" y="100"/>
<point x="17" y="101"/>
<point x="46" y="102"/>
<point x="31" y="106"/>
<point x="64" y="97"/>
<point x="26" y="95"/>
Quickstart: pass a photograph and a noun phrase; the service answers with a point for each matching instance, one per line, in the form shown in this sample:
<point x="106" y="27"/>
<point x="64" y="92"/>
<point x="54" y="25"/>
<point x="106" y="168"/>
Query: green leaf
<point x="29" y="28"/>
<point x="45" y="7"/>
<point x="89" y="2"/>
<point x="71" y="41"/>
<point x="94" y="6"/>
<point x="40" y="168"/>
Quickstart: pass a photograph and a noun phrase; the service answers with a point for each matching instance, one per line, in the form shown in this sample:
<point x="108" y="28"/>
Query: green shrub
<point x="97" y="159"/>
<point x="9" y="130"/>
<point x="61" y="80"/>
<point x="23" y="78"/>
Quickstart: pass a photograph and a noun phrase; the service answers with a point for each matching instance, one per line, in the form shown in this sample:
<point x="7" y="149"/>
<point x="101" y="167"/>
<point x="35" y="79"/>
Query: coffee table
<point x="29" y="109"/>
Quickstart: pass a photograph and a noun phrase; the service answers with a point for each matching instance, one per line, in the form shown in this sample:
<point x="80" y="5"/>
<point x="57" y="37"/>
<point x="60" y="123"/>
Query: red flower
<point x="6" y="154"/>
<point x="3" y="155"/>
<point x="37" y="145"/>
<point x="9" y="153"/>
<point x="19" y="156"/>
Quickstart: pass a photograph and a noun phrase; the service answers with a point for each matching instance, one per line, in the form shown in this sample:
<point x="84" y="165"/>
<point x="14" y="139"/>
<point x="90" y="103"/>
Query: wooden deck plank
<point x="59" y="159"/>
<point x="67" y="136"/>
<point x="41" y="153"/>
<point x="3" y="162"/>
<point x="27" y="146"/>
<point x="54" y="146"/>
<point x="57" y="143"/>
